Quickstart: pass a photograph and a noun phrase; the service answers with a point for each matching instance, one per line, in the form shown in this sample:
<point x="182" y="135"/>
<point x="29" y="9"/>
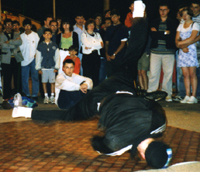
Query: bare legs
<point x="143" y="80"/>
<point x="190" y="79"/>
<point x="45" y="87"/>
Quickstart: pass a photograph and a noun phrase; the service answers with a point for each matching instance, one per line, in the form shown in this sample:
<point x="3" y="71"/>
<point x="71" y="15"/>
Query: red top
<point x="77" y="62"/>
<point x="128" y="21"/>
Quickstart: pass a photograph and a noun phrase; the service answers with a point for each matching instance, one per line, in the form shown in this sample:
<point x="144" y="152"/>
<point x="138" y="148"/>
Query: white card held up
<point x="139" y="8"/>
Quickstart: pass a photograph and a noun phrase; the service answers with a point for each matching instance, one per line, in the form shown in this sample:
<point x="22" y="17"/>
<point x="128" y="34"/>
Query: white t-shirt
<point x="195" y="26"/>
<point x="29" y="47"/>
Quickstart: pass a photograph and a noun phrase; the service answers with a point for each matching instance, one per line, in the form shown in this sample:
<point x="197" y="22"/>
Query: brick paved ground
<point x="61" y="147"/>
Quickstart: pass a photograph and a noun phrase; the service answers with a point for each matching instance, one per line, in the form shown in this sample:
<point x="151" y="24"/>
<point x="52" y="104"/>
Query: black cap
<point x="158" y="154"/>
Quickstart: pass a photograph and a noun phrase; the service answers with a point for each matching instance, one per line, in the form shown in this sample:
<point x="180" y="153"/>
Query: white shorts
<point x="48" y="76"/>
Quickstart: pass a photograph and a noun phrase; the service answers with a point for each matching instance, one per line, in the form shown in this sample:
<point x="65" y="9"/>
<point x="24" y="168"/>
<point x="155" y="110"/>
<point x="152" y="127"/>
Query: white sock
<point x="21" y="112"/>
<point x="52" y="94"/>
<point x="46" y="94"/>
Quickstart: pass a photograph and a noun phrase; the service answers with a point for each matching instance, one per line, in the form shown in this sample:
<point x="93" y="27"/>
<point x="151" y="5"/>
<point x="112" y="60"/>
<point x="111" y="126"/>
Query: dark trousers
<point x="91" y="66"/>
<point x="8" y="70"/>
<point x="102" y="70"/>
<point x="68" y="99"/>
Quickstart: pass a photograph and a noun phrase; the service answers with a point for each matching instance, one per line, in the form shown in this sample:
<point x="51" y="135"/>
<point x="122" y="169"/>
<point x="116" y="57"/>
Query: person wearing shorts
<point x="143" y="67"/>
<point x="47" y="64"/>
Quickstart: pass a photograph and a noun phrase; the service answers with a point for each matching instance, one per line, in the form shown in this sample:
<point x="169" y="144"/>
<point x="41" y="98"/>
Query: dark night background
<point x="68" y="8"/>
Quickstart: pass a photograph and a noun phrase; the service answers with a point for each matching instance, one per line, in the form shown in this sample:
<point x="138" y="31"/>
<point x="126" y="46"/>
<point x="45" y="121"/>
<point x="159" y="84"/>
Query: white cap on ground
<point x="21" y="112"/>
<point x="139" y="8"/>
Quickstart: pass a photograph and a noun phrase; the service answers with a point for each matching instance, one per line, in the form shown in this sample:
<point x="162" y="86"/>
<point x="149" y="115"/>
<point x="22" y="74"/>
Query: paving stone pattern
<point x="32" y="146"/>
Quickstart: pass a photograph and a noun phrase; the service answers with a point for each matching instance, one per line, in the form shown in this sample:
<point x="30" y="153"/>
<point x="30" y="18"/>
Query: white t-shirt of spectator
<point x="195" y="26"/>
<point x="29" y="47"/>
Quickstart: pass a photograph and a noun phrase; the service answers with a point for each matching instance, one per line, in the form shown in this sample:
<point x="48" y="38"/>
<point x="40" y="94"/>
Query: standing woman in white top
<point x="187" y="59"/>
<point x="91" y="45"/>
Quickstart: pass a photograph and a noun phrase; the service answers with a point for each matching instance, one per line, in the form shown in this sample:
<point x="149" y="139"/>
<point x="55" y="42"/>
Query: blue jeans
<point x="181" y="85"/>
<point x="25" y="79"/>
<point x="102" y="70"/>
<point x="179" y="79"/>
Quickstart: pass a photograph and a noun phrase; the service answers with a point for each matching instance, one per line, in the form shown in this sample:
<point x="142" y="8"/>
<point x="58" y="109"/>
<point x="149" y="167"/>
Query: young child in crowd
<point x="47" y="63"/>
<point x="73" y="52"/>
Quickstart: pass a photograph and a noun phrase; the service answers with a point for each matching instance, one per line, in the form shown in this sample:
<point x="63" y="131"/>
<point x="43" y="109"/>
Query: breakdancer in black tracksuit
<point x="130" y="123"/>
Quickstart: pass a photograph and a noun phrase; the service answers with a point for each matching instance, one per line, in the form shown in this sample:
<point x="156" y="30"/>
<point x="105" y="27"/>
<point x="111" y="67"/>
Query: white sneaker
<point x="46" y="99"/>
<point x="192" y="100"/>
<point x="168" y="99"/>
<point x="52" y="100"/>
<point x="177" y="98"/>
<point x="185" y="99"/>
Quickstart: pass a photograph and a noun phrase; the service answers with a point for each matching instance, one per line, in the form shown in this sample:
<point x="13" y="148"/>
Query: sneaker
<point x="177" y="98"/>
<point x="168" y="99"/>
<point x="46" y="99"/>
<point x="192" y="100"/>
<point x="185" y="99"/>
<point x="52" y="100"/>
<point x="6" y="105"/>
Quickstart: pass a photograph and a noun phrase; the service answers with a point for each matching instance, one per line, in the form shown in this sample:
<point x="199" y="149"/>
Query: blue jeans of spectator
<point x="179" y="79"/>
<point x="25" y="79"/>
<point x="181" y="85"/>
<point x="102" y="70"/>
<point x="67" y="99"/>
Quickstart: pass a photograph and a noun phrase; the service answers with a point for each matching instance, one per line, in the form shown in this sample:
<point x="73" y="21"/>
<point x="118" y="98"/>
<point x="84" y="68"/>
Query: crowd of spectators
<point x="97" y="47"/>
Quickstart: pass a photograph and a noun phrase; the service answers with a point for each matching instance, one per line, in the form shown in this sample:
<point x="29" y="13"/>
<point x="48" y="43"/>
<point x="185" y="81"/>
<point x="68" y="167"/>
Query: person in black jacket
<point x="132" y="123"/>
<point x="162" y="32"/>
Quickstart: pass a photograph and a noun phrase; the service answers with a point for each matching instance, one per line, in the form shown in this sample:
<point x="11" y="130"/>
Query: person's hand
<point x="112" y="57"/>
<point x="40" y="71"/>
<point x="87" y="48"/>
<point x="83" y="88"/>
<point x="153" y="29"/>
<point x="102" y="44"/>
<point x="108" y="57"/>
<point x="55" y="70"/>
<point x="185" y="50"/>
